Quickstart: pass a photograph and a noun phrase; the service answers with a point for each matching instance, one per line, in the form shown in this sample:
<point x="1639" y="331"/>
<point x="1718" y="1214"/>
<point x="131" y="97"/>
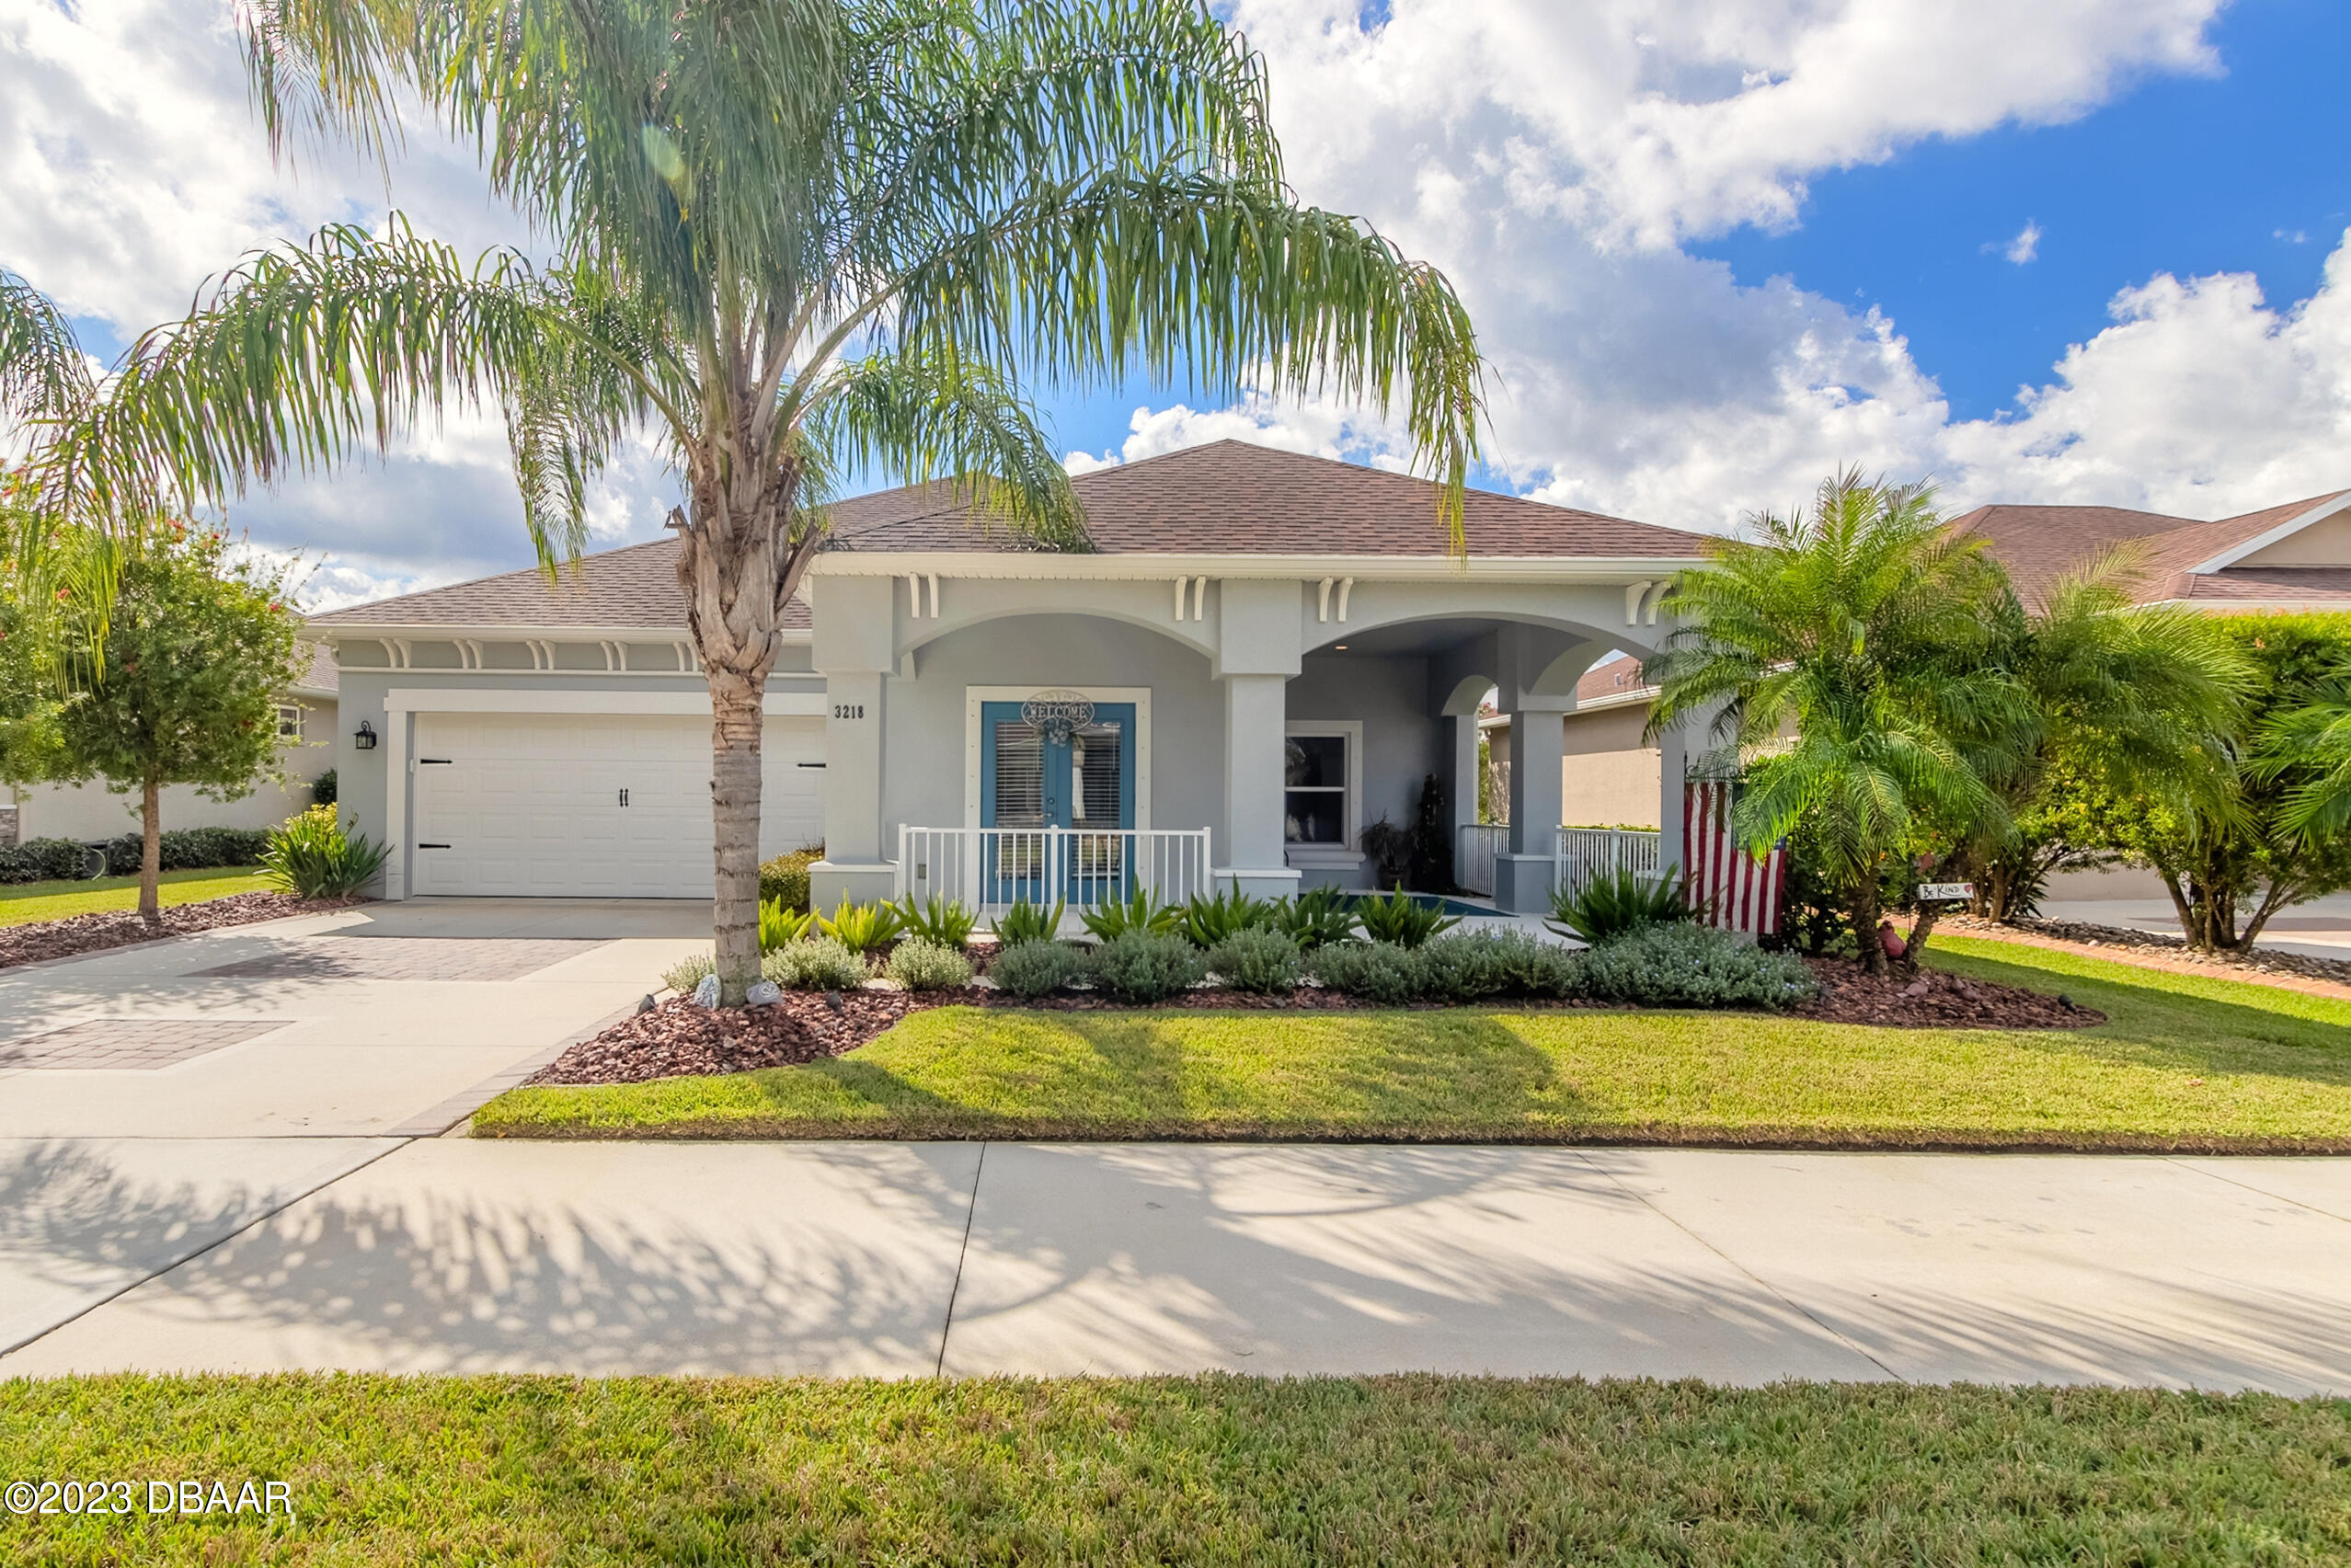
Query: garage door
<point x="591" y="806"/>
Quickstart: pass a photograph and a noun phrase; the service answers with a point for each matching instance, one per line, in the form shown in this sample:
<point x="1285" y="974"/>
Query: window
<point x="1319" y="784"/>
<point x="290" y="721"/>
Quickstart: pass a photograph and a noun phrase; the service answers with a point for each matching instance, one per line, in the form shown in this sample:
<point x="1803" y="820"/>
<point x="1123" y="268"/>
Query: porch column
<point x="1672" y="764"/>
<point x="1465" y="779"/>
<point x="854" y="636"/>
<point x="1538" y="749"/>
<point x="1257" y="646"/>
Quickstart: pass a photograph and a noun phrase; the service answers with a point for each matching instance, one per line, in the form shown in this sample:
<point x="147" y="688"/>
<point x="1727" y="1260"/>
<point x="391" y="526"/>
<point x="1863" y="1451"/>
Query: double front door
<point x="1034" y="780"/>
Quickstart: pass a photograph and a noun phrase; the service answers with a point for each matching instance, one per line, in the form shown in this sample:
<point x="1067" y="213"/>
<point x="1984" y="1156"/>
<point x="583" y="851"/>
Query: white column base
<point x="1257" y="882"/>
<point x="830" y="882"/>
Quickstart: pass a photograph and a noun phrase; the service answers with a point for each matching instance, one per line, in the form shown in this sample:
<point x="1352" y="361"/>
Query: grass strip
<point x="31" y="901"/>
<point x="2185" y="1063"/>
<point x="1213" y="1470"/>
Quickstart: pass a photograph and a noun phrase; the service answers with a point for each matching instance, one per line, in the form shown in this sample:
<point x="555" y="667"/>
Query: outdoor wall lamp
<point x="365" y="737"/>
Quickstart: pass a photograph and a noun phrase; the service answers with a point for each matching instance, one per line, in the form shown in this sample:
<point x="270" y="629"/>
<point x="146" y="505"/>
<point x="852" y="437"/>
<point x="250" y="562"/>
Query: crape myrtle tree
<point x="798" y="240"/>
<point x="1844" y="652"/>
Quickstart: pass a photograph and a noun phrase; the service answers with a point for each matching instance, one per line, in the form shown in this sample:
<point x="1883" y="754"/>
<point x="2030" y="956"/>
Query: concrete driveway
<point x="279" y="1198"/>
<point x="155" y="1100"/>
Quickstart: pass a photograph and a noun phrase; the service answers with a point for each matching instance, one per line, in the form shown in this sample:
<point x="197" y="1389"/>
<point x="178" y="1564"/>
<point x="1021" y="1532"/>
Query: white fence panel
<point x="1585" y="854"/>
<point x="990" y="869"/>
<point x="1473" y="860"/>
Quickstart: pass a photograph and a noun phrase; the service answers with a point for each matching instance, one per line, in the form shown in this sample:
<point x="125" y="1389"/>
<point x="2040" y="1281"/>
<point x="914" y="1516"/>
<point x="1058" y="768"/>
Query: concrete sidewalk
<point x="965" y="1259"/>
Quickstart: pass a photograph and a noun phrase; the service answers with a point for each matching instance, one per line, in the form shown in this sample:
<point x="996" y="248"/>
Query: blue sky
<point x="1717" y="248"/>
<point x="2247" y="170"/>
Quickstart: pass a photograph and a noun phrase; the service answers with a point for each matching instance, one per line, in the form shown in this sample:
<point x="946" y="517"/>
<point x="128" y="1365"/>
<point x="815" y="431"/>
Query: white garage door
<point x="593" y="806"/>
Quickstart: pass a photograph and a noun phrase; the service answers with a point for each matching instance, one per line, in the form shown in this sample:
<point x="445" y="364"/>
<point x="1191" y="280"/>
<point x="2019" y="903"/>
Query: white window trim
<point x="975" y="695"/>
<point x="1348" y="851"/>
<point x="299" y="716"/>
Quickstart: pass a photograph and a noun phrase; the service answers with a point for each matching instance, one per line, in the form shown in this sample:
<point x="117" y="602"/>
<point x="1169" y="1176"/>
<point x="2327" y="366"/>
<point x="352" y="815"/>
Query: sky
<point x="2035" y="250"/>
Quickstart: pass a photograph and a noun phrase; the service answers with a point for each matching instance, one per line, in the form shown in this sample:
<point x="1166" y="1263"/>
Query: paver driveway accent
<point x="134" y="1045"/>
<point x="336" y="956"/>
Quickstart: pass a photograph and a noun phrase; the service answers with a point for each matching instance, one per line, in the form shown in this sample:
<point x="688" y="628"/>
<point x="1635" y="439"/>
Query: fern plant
<point x="947" y="922"/>
<point x="1138" y="911"/>
<point x="780" y="924"/>
<point x="1208" y="921"/>
<point x="860" y="928"/>
<point x="1620" y="904"/>
<point x="1315" y="917"/>
<point x="1401" y="918"/>
<point x="1026" y="921"/>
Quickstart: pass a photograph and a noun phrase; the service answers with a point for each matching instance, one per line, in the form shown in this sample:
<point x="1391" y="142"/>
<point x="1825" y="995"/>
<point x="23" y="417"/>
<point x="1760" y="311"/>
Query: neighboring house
<point x="1263" y="653"/>
<point x="2291" y="557"/>
<point x="307" y="726"/>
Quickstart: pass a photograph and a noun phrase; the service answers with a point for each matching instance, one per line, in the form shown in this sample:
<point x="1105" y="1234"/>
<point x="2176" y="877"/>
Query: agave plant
<point x="1620" y="904"/>
<point x="860" y="928"/>
<point x="947" y="922"/>
<point x="1315" y="917"/>
<point x="779" y="924"/>
<point x="1401" y="918"/>
<point x="1026" y="921"/>
<point x="1138" y="911"/>
<point x="1208" y="921"/>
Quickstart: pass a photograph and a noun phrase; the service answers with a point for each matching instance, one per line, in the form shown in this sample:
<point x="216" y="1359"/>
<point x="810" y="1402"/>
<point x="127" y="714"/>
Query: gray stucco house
<point x="1263" y="653"/>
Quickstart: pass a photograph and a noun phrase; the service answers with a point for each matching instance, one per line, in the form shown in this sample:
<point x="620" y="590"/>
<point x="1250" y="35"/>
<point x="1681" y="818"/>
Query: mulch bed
<point x="1934" y="999"/>
<point x="32" y="942"/>
<point x="675" y="1039"/>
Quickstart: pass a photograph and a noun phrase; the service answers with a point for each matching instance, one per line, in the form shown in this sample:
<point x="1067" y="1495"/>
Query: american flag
<point x="1737" y="891"/>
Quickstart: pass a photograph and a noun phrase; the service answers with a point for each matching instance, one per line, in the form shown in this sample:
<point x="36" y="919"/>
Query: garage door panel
<point x="531" y="803"/>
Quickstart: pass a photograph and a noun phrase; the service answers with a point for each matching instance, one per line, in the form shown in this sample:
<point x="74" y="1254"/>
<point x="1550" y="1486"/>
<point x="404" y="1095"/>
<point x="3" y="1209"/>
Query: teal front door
<point x="1055" y="799"/>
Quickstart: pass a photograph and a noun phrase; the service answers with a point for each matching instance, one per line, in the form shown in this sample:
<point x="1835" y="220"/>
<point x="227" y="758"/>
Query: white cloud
<point x="1319" y="429"/>
<point x="2025" y="246"/>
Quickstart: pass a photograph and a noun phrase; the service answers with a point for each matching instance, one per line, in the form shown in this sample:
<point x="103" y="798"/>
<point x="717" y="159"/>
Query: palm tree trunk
<point x="1865" y="914"/>
<point x="150" y="853"/>
<point x="738" y="713"/>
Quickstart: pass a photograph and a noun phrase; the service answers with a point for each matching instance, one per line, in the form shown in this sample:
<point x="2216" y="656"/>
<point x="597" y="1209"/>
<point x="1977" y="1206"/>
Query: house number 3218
<point x="848" y="710"/>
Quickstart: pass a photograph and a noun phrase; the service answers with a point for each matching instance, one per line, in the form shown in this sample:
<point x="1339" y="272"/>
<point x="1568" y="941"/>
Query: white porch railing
<point x="990" y="869"/>
<point x="1587" y="852"/>
<point x="1473" y="858"/>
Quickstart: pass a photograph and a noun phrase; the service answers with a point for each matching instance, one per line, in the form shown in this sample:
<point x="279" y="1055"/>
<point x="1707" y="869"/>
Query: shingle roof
<point x="1610" y="677"/>
<point x="322" y="675"/>
<point x="634" y="586"/>
<point x="1228" y="498"/>
<point x="1233" y="497"/>
<point x="2039" y="545"/>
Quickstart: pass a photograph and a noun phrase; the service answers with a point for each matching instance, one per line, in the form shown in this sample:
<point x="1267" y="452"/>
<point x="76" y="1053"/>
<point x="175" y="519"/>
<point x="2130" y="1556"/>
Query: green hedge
<point x="43" y="860"/>
<point x="190" y="848"/>
<point x="786" y="879"/>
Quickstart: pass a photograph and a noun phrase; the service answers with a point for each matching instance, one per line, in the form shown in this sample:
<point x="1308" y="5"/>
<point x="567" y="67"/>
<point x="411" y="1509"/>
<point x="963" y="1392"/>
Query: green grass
<point x="1421" y="1470"/>
<point x="29" y="902"/>
<point x="2184" y="1062"/>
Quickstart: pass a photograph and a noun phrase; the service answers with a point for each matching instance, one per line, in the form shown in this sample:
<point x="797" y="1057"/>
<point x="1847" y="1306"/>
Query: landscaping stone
<point x="763" y="993"/>
<point x="706" y="994"/>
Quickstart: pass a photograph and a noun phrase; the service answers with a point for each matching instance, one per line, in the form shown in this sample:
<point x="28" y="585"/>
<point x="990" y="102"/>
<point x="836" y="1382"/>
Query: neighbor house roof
<point x="322" y="679"/>
<point x="1226" y="498"/>
<point x="2183" y="559"/>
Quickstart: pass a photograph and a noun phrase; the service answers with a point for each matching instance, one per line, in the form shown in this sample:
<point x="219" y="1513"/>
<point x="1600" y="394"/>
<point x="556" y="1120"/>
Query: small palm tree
<point x="2308" y="746"/>
<point x="797" y="238"/>
<point x="1843" y="650"/>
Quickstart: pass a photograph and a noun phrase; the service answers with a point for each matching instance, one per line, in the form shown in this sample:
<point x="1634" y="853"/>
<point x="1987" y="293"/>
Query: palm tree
<point x="2307" y="747"/>
<point x="1843" y="651"/>
<point x="2135" y="703"/>
<point x="799" y="238"/>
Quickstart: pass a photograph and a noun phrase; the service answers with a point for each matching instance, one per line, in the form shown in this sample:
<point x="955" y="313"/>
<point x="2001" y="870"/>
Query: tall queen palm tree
<point x="800" y="238"/>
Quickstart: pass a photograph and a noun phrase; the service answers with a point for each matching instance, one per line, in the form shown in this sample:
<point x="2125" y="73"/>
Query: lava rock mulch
<point x="677" y="1038"/>
<point x="38" y="940"/>
<point x="1934" y="1000"/>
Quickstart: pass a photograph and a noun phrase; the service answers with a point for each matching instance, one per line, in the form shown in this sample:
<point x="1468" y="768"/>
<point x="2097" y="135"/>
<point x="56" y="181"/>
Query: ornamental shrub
<point x="1030" y="969"/>
<point x="920" y="963"/>
<point x="43" y="860"/>
<point x="1693" y="965"/>
<point x="814" y="962"/>
<point x="686" y="973"/>
<point x="785" y="879"/>
<point x="1401" y="919"/>
<point x="1462" y="966"/>
<point x="1147" y="966"/>
<point x="312" y="856"/>
<point x="1316" y="916"/>
<point x="1532" y="966"/>
<point x="1377" y="971"/>
<point x="1257" y="960"/>
<point x="322" y="789"/>
<point x="1619" y="904"/>
<point x="780" y="924"/>
<point x="1207" y="920"/>
<point x="190" y="848"/>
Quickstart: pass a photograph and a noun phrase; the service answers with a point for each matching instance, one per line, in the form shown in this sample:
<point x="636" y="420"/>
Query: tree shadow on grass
<point x="2152" y="1025"/>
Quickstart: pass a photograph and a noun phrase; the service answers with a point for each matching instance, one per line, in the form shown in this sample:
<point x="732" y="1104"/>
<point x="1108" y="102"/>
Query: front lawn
<point x="2184" y="1062"/>
<point x="29" y="901"/>
<point x="1215" y="1470"/>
